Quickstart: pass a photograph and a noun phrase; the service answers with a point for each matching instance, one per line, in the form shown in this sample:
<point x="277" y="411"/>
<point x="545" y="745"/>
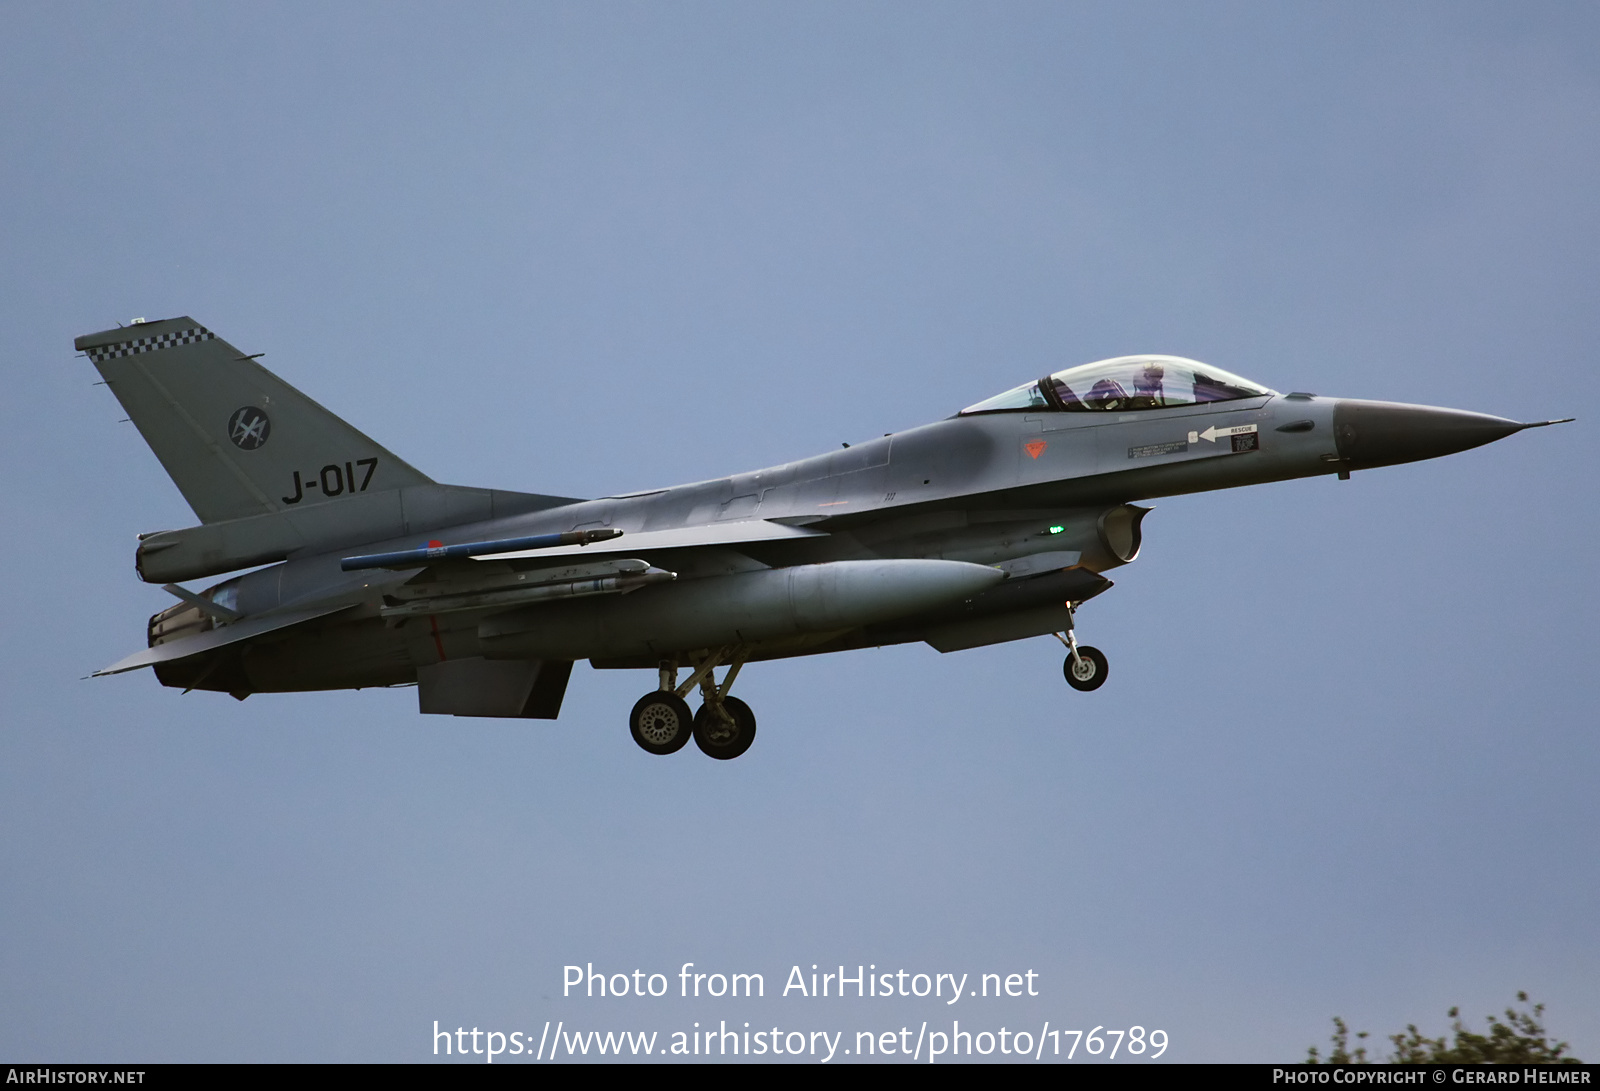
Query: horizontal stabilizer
<point x="220" y="637"/>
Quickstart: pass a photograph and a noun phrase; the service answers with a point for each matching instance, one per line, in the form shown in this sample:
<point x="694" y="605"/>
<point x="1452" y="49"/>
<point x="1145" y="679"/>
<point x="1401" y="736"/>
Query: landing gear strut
<point x="723" y="728"/>
<point x="1085" y="668"/>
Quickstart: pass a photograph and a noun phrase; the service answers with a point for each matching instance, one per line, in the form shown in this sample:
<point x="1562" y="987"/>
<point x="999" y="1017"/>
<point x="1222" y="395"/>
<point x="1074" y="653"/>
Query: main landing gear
<point x="660" y="722"/>
<point x="1086" y="667"/>
<point x="724" y="727"/>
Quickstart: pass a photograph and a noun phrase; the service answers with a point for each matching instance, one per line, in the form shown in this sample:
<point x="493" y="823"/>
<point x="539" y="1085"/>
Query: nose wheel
<point x="1085" y="668"/>
<point x="1087" y="671"/>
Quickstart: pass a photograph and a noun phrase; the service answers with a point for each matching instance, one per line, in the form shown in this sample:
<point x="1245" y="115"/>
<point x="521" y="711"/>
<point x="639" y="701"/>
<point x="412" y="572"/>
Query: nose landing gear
<point x="724" y="727"/>
<point x="1085" y="668"/>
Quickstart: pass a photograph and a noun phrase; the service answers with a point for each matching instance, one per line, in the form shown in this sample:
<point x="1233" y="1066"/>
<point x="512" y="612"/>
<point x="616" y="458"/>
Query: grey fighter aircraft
<point x="992" y="525"/>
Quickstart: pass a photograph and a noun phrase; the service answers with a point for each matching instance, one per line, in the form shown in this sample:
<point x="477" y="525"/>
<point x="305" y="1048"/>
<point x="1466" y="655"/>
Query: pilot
<point x="1147" y="392"/>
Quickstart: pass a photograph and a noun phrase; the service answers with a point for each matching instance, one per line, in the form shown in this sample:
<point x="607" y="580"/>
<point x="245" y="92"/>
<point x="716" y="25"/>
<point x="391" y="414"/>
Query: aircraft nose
<point x="1385" y="433"/>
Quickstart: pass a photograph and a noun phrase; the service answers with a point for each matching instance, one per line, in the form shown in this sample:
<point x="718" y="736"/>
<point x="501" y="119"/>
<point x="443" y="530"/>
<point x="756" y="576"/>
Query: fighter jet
<point x="995" y="524"/>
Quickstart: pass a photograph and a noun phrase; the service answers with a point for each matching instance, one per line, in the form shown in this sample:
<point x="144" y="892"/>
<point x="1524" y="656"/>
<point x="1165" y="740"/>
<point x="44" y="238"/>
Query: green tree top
<point x="1519" y="1039"/>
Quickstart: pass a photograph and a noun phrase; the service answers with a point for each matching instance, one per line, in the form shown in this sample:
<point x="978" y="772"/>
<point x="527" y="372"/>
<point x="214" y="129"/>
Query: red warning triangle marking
<point x="1035" y="447"/>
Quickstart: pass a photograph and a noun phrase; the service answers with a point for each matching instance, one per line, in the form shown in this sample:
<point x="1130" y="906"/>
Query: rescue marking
<point x="1210" y="434"/>
<point x="1035" y="447"/>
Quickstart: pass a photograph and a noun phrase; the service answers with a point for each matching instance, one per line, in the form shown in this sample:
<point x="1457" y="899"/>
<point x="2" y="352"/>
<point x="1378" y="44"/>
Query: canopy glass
<point x="1124" y="384"/>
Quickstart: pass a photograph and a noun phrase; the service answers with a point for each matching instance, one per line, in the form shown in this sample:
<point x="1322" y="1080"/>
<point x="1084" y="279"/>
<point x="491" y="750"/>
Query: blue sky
<point x="1345" y="761"/>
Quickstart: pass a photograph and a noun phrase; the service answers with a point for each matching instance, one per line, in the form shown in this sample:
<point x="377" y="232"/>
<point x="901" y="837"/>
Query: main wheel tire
<point x="661" y="723"/>
<point x="720" y="740"/>
<point x="1088" y="671"/>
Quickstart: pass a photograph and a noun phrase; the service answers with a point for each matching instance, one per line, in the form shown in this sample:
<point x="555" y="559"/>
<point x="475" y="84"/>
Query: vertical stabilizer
<point x="236" y="439"/>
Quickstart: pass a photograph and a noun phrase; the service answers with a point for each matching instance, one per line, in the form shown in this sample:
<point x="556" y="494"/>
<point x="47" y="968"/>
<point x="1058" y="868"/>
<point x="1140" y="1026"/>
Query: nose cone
<point x="1385" y="433"/>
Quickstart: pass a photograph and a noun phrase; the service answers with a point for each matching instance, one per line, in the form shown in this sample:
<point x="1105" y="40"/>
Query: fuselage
<point x="996" y="524"/>
<point x="988" y="488"/>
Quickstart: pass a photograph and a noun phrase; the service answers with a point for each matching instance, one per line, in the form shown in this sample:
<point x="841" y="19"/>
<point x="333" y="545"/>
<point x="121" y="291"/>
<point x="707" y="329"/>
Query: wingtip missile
<point x="438" y="551"/>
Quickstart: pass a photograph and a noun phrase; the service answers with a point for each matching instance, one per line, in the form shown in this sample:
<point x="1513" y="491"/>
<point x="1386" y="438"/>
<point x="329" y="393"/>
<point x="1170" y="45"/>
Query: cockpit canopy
<point x="1123" y="384"/>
